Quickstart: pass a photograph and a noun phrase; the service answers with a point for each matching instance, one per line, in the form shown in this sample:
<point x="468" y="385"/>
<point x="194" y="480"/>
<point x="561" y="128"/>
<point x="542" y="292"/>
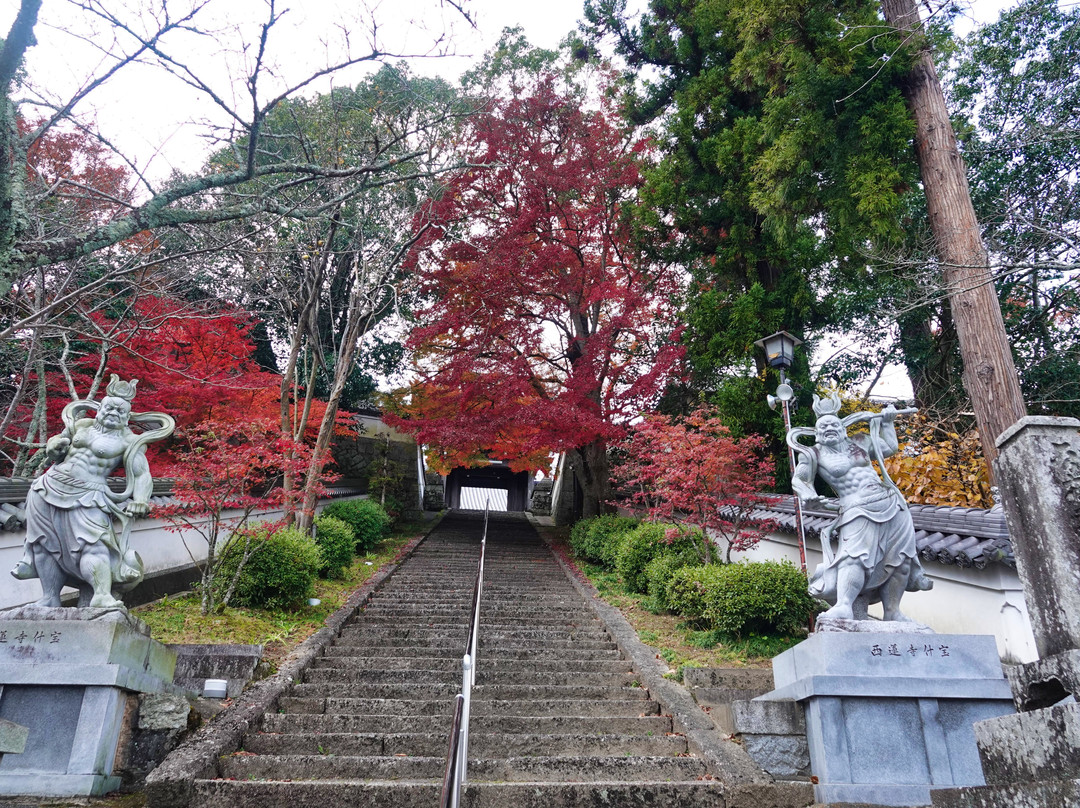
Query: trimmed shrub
<point x="597" y="539"/>
<point x="686" y="590"/>
<point x="640" y="546"/>
<point x="337" y="543"/>
<point x="762" y="597"/>
<point x="659" y="571"/>
<point x="280" y="573"/>
<point x="606" y="537"/>
<point x="644" y="543"/>
<point x="579" y="538"/>
<point x="366" y="517"/>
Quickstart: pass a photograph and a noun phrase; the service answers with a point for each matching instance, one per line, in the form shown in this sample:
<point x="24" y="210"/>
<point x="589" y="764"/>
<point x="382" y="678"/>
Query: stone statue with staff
<point x="71" y="536"/>
<point x="876" y="559"/>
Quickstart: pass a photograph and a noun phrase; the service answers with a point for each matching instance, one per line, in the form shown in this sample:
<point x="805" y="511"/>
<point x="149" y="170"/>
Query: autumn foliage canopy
<point x="546" y="328"/>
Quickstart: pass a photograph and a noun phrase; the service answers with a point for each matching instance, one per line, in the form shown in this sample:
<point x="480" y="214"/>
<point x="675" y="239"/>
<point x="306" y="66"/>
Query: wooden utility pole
<point x="989" y="372"/>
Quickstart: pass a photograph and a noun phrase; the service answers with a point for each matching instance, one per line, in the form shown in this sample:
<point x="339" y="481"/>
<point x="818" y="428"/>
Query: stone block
<point x="1039" y="745"/>
<point x="760" y="679"/>
<point x="1041" y="794"/>
<point x="234" y="663"/>
<point x="159" y="711"/>
<point x="1038" y="474"/>
<point x="782" y="756"/>
<point x="769" y="717"/>
<point x="12" y="737"/>
<point x="1046" y="681"/>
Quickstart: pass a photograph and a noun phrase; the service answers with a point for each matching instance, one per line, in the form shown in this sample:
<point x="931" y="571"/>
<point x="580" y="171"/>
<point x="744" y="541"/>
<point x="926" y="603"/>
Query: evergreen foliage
<point x="786" y="154"/>
<point x="337" y="544"/>
<point x="597" y="539"/>
<point x="280" y="573"/>
<point x="368" y="519"/>
<point x="762" y="597"/>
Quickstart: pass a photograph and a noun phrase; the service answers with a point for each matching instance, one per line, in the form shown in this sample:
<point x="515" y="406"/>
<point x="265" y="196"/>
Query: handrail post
<point x="467" y="669"/>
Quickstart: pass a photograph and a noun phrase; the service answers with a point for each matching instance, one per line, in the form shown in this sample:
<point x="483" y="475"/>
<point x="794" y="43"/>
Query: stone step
<point x="569" y="705"/>
<point x="350" y="794"/>
<point x="242" y="766"/>
<point x="488" y="664"/>
<point x="438" y="640"/>
<point x="455" y="652"/>
<point x="486" y="676"/>
<point x="487" y="636"/>
<point x="487" y="617"/>
<point x="435" y="718"/>
<point x="481" y="744"/>
<point x="447" y="690"/>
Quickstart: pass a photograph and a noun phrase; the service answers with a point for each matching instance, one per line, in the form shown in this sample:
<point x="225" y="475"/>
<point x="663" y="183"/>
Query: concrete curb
<point x="172" y="783"/>
<point x="727" y="761"/>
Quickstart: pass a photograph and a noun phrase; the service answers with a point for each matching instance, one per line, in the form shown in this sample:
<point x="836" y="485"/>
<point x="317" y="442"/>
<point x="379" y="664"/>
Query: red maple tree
<point x="194" y="362"/>
<point x="547" y="328"/>
<point x="691" y="471"/>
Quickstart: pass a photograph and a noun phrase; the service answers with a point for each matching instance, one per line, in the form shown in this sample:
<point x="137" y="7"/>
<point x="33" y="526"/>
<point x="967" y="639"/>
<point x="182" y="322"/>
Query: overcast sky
<point x="162" y="124"/>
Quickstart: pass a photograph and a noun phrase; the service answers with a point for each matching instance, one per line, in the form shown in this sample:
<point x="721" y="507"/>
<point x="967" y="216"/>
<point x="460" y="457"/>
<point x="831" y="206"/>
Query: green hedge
<point x="686" y="589"/>
<point x="659" y="572"/>
<point x="640" y="546"/>
<point x="598" y="538"/>
<point x="762" y="597"/>
<point x="280" y="573"/>
<point x="647" y="541"/>
<point x="366" y="517"/>
<point x="337" y="543"/>
<point x="751" y="597"/>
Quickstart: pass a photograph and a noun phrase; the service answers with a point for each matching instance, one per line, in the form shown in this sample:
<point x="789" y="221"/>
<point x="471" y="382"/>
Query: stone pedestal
<point x="889" y="715"/>
<point x="72" y="677"/>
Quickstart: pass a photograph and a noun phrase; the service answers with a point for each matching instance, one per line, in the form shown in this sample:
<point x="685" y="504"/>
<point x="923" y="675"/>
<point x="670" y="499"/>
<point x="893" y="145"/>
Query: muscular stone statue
<point x="876" y="560"/>
<point x="70" y="535"/>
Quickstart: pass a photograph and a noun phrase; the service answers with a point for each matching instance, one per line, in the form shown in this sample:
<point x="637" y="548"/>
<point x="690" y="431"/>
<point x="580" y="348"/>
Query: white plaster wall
<point x="161" y="549"/>
<point x="372" y="426"/>
<point x="963" y="601"/>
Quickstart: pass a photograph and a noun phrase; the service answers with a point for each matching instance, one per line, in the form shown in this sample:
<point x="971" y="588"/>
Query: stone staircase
<point x="558" y="717"/>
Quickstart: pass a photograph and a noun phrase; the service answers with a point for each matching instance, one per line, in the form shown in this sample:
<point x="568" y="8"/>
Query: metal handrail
<point x="457" y="757"/>
<point x="449" y="783"/>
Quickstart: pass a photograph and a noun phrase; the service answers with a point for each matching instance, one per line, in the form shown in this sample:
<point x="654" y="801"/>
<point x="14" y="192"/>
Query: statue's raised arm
<point x="71" y="536"/>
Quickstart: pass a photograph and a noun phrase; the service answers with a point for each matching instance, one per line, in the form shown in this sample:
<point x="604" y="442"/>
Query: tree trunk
<point x="595" y="477"/>
<point x="989" y="373"/>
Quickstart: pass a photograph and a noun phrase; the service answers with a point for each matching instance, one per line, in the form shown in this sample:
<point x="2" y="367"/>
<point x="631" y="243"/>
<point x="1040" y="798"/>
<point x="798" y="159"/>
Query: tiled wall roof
<point x="966" y="537"/>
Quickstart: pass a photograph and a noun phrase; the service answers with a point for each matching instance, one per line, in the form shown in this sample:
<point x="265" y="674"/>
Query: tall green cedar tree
<point x="1015" y="89"/>
<point x="787" y="158"/>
